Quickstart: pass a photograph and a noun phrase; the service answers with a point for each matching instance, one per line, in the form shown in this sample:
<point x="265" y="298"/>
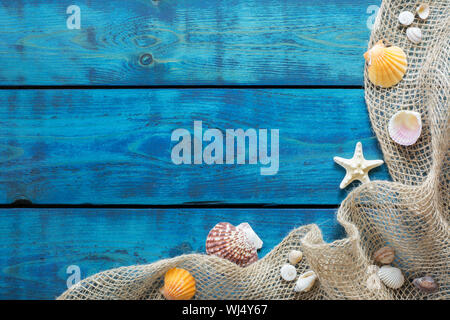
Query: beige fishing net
<point x="410" y="214"/>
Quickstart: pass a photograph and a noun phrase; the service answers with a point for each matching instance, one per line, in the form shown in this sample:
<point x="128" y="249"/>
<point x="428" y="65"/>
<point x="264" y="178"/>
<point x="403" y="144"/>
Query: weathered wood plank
<point x="114" y="146"/>
<point x="38" y="245"/>
<point x="144" y="42"/>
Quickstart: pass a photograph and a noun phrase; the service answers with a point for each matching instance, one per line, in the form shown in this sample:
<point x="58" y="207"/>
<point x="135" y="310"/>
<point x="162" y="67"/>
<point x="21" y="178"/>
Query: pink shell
<point x="405" y="127"/>
<point x="228" y="242"/>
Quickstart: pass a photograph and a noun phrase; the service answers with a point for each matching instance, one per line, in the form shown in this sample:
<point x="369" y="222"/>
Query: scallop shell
<point x="295" y="257"/>
<point x="414" y="34"/>
<point x="405" y="18"/>
<point x="386" y="65"/>
<point x="373" y="282"/>
<point x="305" y="282"/>
<point x="288" y="272"/>
<point x="405" y="127"/>
<point x="251" y="235"/>
<point x="228" y="242"/>
<point x="392" y="277"/>
<point x="423" y="11"/>
<point x="179" y="284"/>
<point x="426" y="284"/>
<point x="384" y="255"/>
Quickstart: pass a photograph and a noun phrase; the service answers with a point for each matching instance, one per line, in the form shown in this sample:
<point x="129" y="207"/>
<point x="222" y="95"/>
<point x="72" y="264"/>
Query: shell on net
<point x="372" y="269"/>
<point x="392" y="277"/>
<point x="228" y="242"/>
<point x="373" y="282"/>
<point x="305" y="281"/>
<point x="179" y="284"/>
<point x="405" y="127"/>
<point x="405" y="18"/>
<point x="423" y="11"/>
<point x="426" y="284"/>
<point x="295" y="256"/>
<point x="288" y="272"/>
<point x="386" y="65"/>
<point x="384" y="255"/>
<point x="414" y="34"/>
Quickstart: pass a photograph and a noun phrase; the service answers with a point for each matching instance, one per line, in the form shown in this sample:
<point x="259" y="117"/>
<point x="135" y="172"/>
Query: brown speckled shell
<point x="426" y="284"/>
<point x="384" y="255"/>
<point x="228" y="242"/>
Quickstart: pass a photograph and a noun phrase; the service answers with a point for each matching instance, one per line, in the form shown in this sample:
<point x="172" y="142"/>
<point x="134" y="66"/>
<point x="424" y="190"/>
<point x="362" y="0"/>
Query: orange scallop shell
<point x="386" y="65"/>
<point x="228" y="242"/>
<point x="179" y="284"/>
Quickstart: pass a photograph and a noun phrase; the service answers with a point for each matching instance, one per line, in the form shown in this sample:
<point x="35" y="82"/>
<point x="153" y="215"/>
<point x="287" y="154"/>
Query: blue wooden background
<point x="86" y="117"/>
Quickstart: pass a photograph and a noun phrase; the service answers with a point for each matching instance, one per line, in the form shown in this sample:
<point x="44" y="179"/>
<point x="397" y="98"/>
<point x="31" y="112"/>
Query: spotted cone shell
<point x="228" y="242"/>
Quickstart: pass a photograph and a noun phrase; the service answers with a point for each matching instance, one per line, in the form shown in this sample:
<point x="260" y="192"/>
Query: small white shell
<point x="406" y="18"/>
<point x="405" y="127"/>
<point x="305" y="282"/>
<point x="414" y="34"/>
<point x="373" y="282"/>
<point x="251" y="235"/>
<point x="423" y="11"/>
<point x="295" y="256"/>
<point x="288" y="272"/>
<point x="372" y="269"/>
<point x="392" y="277"/>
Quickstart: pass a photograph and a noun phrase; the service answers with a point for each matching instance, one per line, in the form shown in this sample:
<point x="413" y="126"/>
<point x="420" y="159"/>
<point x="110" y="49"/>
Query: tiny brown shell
<point x="384" y="255"/>
<point x="426" y="284"/>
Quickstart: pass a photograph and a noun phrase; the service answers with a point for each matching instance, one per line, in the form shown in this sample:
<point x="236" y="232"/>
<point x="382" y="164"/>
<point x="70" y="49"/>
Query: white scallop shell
<point x="423" y="11"/>
<point x="295" y="256"/>
<point x="392" y="277"/>
<point x="373" y="282"/>
<point x="406" y="18"/>
<point x="251" y="235"/>
<point x="405" y="127"/>
<point x="414" y="34"/>
<point x="305" y="282"/>
<point x="288" y="272"/>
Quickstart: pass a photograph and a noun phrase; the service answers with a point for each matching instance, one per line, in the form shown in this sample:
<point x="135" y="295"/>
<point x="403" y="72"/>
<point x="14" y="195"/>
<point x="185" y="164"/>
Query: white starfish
<point x="357" y="167"/>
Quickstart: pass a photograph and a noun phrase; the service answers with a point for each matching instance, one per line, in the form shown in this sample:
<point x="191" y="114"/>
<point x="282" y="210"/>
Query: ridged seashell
<point x="405" y="18"/>
<point x="372" y="269"/>
<point x="295" y="256"/>
<point x="423" y="11"/>
<point x="251" y="235"/>
<point x="373" y="282"/>
<point x="179" y="284"/>
<point x="384" y="255"/>
<point x="405" y="127"/>
<point x="228" y="242"/>
<point x="414" y="34"/>
<point x="305" y="282"/>
<point x="386" y="65"/>
<point x="392" y="277"/>
<point x="288" y="272"/>
<point x="426" y="284"/>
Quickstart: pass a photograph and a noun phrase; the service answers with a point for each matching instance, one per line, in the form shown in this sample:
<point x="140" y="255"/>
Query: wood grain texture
<point x="114" y="146"/>
<point x="37" y="245"/>
<point x="169" y="42"/>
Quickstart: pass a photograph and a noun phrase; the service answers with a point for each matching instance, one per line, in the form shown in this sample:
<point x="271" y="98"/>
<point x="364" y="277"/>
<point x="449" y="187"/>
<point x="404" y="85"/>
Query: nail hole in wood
<point x="146" y="59"/>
